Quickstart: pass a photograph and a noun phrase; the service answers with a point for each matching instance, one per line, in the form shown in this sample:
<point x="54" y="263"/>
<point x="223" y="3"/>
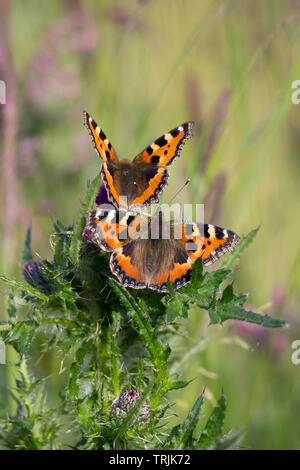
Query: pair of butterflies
<point x="146" y="261"/>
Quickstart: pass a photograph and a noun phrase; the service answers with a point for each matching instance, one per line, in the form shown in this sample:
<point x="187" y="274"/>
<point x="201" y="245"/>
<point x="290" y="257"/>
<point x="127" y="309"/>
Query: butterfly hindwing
<point x="141" y="261"/>
<point x="176" y="268"/>
<point x="109" y="228"/>
<point x="140" y="187"/>
<point x="137" y="264"/>
<point x="112" y="185"/>
<point x="150" y="183"/>
<point x="121" y="264"/>
<point x="207" y="241"/>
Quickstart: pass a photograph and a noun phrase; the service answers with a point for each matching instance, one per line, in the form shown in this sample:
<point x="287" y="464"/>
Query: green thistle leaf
<point x="87" y="205"/>
<point x="23" y="286"/>
<point x="181" y="436"/>
<point x="214" y="426"/>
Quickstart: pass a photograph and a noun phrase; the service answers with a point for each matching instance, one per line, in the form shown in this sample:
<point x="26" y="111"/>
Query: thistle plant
<point x="113" y="345"/>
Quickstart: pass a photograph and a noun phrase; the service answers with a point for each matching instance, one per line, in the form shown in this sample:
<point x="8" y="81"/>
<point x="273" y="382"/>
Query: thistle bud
<point x="102" y="197"/>
<point x="34" y="275"/>
<point x="122" y="405"/>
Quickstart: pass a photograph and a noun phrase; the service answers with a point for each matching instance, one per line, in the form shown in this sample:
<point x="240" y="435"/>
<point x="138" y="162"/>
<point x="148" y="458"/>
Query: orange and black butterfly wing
<point x="111" y="230"/>
<point x="109" y="158"/>
<point x="191" y="241"/>
<point x="207" y="241"/>
<point x="123" y="266"/>
<point x="135" y="265"/>
<point x="153" y="160"/>
<point x="150" y="182"/>
<point x="112" y="182"/>
<point x="106" y="228"/>
<point x="164" y="150"/>
<point x="101" y="143"/>
<point x="176" y="267"/>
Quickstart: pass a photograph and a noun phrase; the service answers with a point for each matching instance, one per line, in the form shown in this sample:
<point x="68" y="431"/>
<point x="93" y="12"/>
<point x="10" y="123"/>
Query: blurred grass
<point x="138" y="68"/>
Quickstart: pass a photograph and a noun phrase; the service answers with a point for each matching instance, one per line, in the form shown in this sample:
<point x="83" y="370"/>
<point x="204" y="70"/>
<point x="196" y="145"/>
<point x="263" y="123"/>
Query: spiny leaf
<point x="228" y="294"/>
<point x="21" y="285"/>
<point x="87" y="205"/>
<point x="214" y="425"/>
<point x="236" y="312"/>
<point x="11" y="307"/>
<point x="197" y="272"/>
<point x="204" y="291"/>
<point x="134" y="311"/>
<point x="75" y="386"/>
<point x="175" y="382"/>
<point x="59" y="248"/>
<point x="170" y="288"/>
<point x="212" y="280"/>
<point x="21" y="335"/>
<point x="181" y="435"/>
<point x="230" y="441"/>
<point x="115" y="377"/>
<point x="190" y="423"/>
<point x="176" y="307"/>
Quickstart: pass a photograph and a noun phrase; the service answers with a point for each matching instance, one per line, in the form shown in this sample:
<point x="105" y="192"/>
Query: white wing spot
<point x="211" y="230"/>
<point x="196" y="231"/>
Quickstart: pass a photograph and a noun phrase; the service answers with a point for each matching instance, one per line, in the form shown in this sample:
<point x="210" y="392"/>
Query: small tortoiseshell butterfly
<point x="142" y="180"/>
<point x="140" y="261"/>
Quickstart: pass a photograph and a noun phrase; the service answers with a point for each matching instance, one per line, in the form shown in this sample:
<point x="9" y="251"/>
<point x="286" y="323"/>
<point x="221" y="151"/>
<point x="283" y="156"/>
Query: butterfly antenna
<point x="179" y="190"/>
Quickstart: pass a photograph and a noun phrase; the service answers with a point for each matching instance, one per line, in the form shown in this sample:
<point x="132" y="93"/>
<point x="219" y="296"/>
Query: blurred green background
<point x="141" y="68"/>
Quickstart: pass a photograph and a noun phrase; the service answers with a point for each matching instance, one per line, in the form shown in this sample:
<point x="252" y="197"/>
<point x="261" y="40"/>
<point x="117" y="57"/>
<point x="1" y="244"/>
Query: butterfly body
<point x="149" y="251"/>
<point x="126" y="181"/>
<point x="140" y="182"/>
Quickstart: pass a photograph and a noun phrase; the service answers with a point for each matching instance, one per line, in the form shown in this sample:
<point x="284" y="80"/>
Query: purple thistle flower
<point x="90" y="238"/>
<point x="122" y="405"/>
<point x="102" y="197"/>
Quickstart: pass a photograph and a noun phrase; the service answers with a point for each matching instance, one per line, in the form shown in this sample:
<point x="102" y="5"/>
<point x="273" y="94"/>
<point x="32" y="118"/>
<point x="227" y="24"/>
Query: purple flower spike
<point x="102" y="197"/>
